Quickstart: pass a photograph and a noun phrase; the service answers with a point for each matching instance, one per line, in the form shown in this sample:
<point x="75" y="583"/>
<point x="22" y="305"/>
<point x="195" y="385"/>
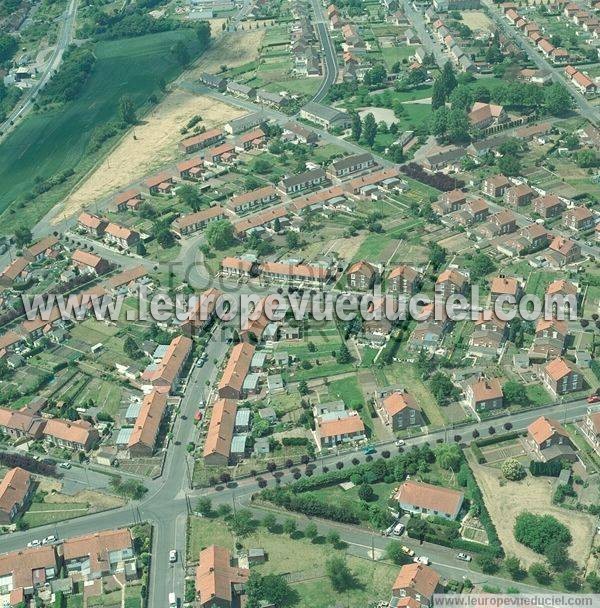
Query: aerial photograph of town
<point x="299" y="303"/>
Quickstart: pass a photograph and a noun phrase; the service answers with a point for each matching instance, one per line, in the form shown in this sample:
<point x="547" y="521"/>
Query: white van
<point x="172" y="600"/>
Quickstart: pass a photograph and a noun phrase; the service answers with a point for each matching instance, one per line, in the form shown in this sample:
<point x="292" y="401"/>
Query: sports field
<point x="50" y="142"/>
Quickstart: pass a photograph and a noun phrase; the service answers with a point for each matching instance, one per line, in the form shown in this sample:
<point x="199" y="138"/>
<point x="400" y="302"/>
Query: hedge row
<point x="481" y="459"/>
<point x="497" y="438"/>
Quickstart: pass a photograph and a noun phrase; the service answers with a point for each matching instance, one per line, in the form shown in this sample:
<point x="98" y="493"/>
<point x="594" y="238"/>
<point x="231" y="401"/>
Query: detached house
<point x="400" y="410"/>
<point x="562" y="252"/>
<point x="496" y="185"/>
<point x="519" y="195"/>
<point x="361" y="275"/>
<point x="426" y="499"/>
<point x="485" y="394"/>
<point x="548" y="206"/>
<point x="451" y="282"/>
<point x="505" y="286"/>
<point x="550" y="440"/>
<point x="120" y="236"/>
<point x="485" y="115"/>
<point x="218" y="581"/>
<point x="130" y="200"/>
<point x="561" y="377"/>
<point x="92" y="224"/>
<point x="416" y="584"/>
<point x="339" y="427"/>
<point x="578" y="218"/>
<point x="402" y="279"/>
<point x="15" y="491"/>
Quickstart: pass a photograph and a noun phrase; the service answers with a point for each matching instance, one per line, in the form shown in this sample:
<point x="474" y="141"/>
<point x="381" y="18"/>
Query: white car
<point x="398" y="529"/>
<point x="65" y="465"/>
<point x="49" y="539"/>
<point x="34" y="543"/>
<point x="173" y="556"/>
<point x="399" y="442"/>
<point x="464" y="557"/>
<point x="421" y="559"/>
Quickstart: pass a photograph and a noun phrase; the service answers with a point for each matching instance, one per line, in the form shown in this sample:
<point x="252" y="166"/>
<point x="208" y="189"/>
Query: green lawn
<point x="335" y="494"/>
<point x="305" y="561"/>
<point x="53" y="141"/>
<point x="40" y="513"/>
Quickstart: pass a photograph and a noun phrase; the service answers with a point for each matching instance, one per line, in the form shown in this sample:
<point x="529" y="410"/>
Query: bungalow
<point x="236" y="370"/>
<point x="260" y="222"/>
<point x="303" y="181"/>
<point x="485" y="394"/>
<point x="15" y="491"/>
<point x="339" y="427"/>
<point x="361" y="275"/>
<point x="16" y="272"/>
<point x="251" y="141"/>
<point x="549" y="440"/>
<point x="423" y="498"/>
<point x="415" y="585"/>
<point x="202" y="140"/>
<point x="561" y="377"/>
<point x="241" y="90"/>
<point x="363" y="185"/>
<point x="225" y="153"/>
<point x="548" y="206"/>
<point x="92" y="224"/>
<point x="213" y="80"/>
<point x="142" y="440"/>
<point x="253" y="199"/>
<point x="400" y="410"/>
<point x="130" y="200"/>
<point x="496" y="185"/>
<point x="578" y="218"/>
<point x="351" y="164"/>
<point x="243" y="123"/>
<point x="318" y="200"/>
<point x="89" y="263"/>
<point x="519" y="195"/>
<point x="326" y="117"/>
<point x="274" y="100"/>
<point x="42" y="250"/>
<point x="304" y="273"/>
<point x="120" y="236"/>
<point x="129" y="279"/>
<point x="192" y="222"/>
<point x="402" y="279"/>
<point x="162" y="183"/>
<point x="191" y="168"/>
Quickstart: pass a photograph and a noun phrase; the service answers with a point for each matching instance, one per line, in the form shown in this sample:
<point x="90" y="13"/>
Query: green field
<point x="41" y="513"/>
<point x="50" y="142"/>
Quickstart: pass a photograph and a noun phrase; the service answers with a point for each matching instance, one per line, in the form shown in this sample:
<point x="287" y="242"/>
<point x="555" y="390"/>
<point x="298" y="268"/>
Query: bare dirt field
<point x="98" y="500"/>
<point x="476" y="20"/>
<point x="155" y="143"/>
<point x="533" y="494"/>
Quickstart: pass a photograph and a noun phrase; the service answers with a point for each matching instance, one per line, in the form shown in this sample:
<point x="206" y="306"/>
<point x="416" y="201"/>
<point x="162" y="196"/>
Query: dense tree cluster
<point x="74" y="72"/>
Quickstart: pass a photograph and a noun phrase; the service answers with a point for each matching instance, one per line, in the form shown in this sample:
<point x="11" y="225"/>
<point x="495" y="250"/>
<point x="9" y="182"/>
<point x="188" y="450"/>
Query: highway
<point x="330" y="65"/>
<point x="64" y="38"/>
<point x="585" y="107"/>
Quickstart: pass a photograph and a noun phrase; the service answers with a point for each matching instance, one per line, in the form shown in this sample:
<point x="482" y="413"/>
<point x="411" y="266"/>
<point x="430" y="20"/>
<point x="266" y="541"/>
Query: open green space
<point x="41" y="513"/>
<point x="49" y="142"/>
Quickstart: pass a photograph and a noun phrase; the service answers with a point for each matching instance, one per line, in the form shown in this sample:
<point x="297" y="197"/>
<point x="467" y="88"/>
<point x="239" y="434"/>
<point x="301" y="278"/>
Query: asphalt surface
<point x="65" y="36"/>
<point x="330" y="65"/>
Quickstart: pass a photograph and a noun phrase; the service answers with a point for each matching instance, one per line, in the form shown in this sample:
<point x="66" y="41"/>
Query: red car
<point x="593" y="399"/>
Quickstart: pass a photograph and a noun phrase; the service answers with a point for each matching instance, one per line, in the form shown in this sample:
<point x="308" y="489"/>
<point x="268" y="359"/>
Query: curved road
<point x="330" y="65"/>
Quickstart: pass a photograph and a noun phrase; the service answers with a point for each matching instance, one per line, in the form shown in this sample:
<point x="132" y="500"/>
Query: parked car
<point x="399" y="442"/>
<point x="173" y="601"/>
<point x="593" y="399"/>
<point x="173" y="556"/>
<point x="65" y="465"/>
<point x="421" y="559"/>
<point x="200" y="362"/>
<point x="408" y="550"/>
<point x="398" y="529"/>
<point x="464" y="557"/>
<point x="34" y="543"/>
<point x="49" y="539"/>
<point x="369" y="449"/>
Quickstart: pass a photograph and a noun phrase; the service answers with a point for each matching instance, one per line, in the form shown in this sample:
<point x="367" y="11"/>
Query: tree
<point x="539" y="531"/>
<point x="204" y="506"/>
<point x="130" y="348"/>
<point x="556" y="553"/>
<point x="513" y="470"/>
<point x="570" y="580"/>
<point x="365" y="492"/>
<point x="514" y="568"/>
<point x="181" y="53"/>
<point x="292" y="239"/>
<point x="449" y="456"/>
<point x="8" y="47"/>
<point x="242" y="523"/>
<point x="448" y="79"/>
<point x="303" y="387"/>
<point x="458" y="125"/>
<point x="311" y="531"/>
<point x="488" y="564"/>
<point x="262" y="166"/>
<point x="369" y="129"/>
<point x="356" y="126"/>
<point x="480" y="265"/>
<point x="461" y="98"/>
<point x="127" y="110"/>
<point x="439" y="123"/>
<point x="514" y="392"/>
<point x="395" y="553"/>
<point x="438" y="95"/>
<point x="343" y="355"/>
<point x="339" y="574"/>
<point x="269" y="522"/>
<point x="558" y="100"/>
<point x="509" y="165"/>
<point x="587" y="159"/>
<point x="593" y="580"/>
<point x="189" y="196"/>
<point x="23" y="236"/>
<point x="442" y="387"/>
<point x="219" y="234"/>
<point x="289" y="526"/>
<point x="333" y="538"/>
<point x="540" y="573"/>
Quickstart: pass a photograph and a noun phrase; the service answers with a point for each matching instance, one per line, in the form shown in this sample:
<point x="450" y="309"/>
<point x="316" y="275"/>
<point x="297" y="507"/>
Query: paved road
<point x="429" y="44"/>
<point x="330" y="64"/>
<point x="585" y="107"/>
<point x="65" y="36"/>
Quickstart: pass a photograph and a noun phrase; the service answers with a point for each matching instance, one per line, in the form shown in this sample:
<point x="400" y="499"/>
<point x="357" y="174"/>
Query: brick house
<point x="120" y="236"/>
<point x="416" y="582"/>
<point x="92" y="224"/>
<point x="485" y="394"/>
<point x="495" y="185"/>
<point x="549" y="440"/>
<point x="505" y="286"/>
<point x="561" y="377"/>
<point x="400" y="410"/>
<point x="128" y="200"/>
<point x="402" y="279"/>
<point x="361" y="275"/>
<point x="548" y="206"/>
<point x="519" y="195"/>
<point x="451" y="282"/>
<point x="562" y="251"/>
<point x="15" y="491"/>
<point x="578" y="218"/>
